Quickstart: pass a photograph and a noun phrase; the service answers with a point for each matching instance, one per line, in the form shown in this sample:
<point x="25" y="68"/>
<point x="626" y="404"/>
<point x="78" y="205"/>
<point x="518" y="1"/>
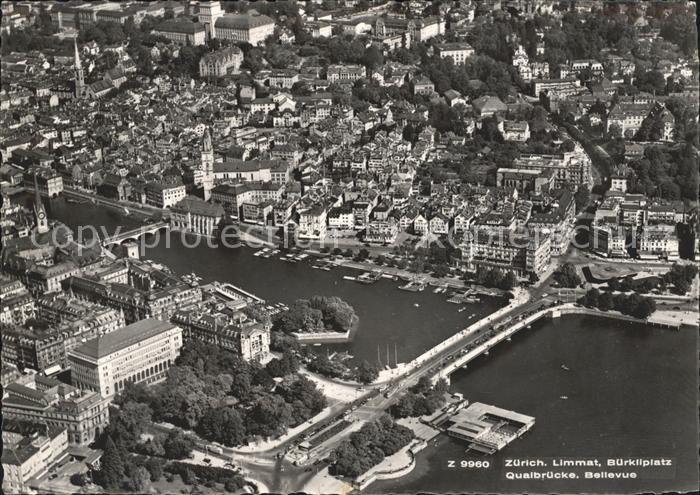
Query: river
<point x="394" y="325"/>
<point x="632" y="389"/>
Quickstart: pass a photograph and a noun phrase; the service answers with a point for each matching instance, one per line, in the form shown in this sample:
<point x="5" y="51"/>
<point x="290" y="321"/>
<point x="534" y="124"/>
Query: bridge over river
<point x="134" y="234"/>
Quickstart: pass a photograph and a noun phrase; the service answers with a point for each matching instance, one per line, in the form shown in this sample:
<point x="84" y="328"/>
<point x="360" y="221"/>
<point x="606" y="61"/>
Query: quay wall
<point x="377" y="474"/>
<point x="321" y="337"/>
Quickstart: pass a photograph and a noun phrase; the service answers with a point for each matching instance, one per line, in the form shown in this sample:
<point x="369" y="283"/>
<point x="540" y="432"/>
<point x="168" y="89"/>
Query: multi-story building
<point x="233" y="196"/>
<point x="16" y="303"/>
<point x="257" y="170"/>
<point x="26" y="455"/>
<point x="569" y="167"/>
<point x="48" y="181"/>
<point x="523" y="180"/>
<point x="341" y="217"/>
<point x="236" y="332"/>
<point x="628" y="116"/>
<point x="249" y="28"/>
<point x="458" y="52"/>
<point x="45" y="400"/>
<point x="312" y="222"/>
<point x="524" y="253"/>
<point x="44" y="347"/>
<point x="608" y="239"/>
<point x="152" y="293"/>
<point x="218" y="63"/>
<point x="207" y="14"/>
<point x="138" y="353"/>
<point x="283" y="78"/>
<point x="382" y="231"/>
<point x="182" y="32"/>
<point x="165" y="194"/>
<point x="559" y="87"/>
<point x="658" y="241"/>
<point x="196" y="216"/>
<point x="337" y="73"/>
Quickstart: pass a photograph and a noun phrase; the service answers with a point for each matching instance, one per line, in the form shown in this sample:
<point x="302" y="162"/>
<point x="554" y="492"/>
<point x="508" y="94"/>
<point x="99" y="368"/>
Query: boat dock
<point x="369" y="277"/>
<point x="414" y="286"/>
<point x="233" y="293"/>
<point x="464" y="297"/>
<point x="487" y="428"/>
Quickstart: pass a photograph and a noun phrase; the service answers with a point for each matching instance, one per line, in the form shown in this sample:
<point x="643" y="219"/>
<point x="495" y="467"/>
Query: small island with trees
<point x="317" y="319"/>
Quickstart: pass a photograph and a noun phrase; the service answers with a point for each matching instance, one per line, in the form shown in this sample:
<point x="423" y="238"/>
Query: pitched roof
<point x="242" y="21"/>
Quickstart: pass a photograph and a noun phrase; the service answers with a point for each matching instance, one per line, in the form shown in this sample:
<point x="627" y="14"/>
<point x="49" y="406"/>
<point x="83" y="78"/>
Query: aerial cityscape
<point x="349" y="246"/>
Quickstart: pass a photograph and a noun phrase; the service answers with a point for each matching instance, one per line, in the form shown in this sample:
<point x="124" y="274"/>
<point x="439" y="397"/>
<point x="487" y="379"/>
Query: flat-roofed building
<point x="139" y="353"/>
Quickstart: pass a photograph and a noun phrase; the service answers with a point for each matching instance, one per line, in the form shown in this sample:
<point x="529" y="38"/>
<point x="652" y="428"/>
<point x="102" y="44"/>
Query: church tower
<point x="42" y="222"/>
<point x="79" y="75"/>
<point x="207" y="165"/>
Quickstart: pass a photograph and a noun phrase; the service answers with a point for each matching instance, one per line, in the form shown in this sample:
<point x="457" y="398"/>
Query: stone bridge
<point x="135" y="234"/>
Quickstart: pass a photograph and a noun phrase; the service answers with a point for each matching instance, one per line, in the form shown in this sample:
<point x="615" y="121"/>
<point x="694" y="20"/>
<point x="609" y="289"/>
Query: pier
<point x="487" y="428"/>
<point x="230" y="291"/>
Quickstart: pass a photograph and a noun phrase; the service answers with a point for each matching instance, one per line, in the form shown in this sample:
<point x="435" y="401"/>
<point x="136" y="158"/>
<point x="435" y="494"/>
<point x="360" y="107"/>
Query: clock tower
<point x="42" y="222"/>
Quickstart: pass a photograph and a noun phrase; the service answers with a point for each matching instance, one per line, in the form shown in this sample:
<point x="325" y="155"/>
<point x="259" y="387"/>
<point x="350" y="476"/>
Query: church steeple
<point x="78" y="70"/>
<point x="207" y="165"/>
<point x="42" y="223"/>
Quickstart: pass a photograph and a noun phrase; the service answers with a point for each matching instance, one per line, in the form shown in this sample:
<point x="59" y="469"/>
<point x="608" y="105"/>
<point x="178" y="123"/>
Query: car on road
<point x="206" y="460"/>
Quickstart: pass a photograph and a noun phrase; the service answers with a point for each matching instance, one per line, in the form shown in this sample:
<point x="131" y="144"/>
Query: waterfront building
<point x="165" y="193"/>
<point x="46" y="180"/>
<point x="312" y="222"/>
<point x="196" y="216"/>
<point x="527" y="254"/>
<point x="231" y="330"/>
<point x="488" y="428"/>
<point x="29" y="454"/>
<point x="233" y="196"/>
<point x="250" y="27"/>
<point x="140" y="352"/>
<point x="218" y="63"/>
<point x="382" y="231"/>
<point x="151" y="293"/>
<point x="38" y="399"/>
